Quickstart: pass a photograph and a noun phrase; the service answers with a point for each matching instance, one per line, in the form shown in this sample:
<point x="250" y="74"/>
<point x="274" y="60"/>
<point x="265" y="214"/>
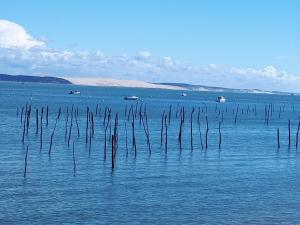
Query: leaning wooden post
<point x="297" y="134"/>
<point x="28" y="120"/>
<point x="236" y="115"/>
<point x="200" y="135"/>
<point x="26" y="157"/>
<point x="66" y="124"/>
<point x="52" y="135"/>
<point x="22" y="114"/>
<point x="76" y="120"/>
<point x="180" y="130"/>
<point x="74" y="162"/>
<point x="133" y="136"/>
<point x="206" y="134"/>
<point x="71" y="125"/>
<point x="166" y="137"/>
<point x="24" y="126"/>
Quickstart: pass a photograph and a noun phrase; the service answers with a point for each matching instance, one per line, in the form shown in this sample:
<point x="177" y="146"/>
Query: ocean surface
<point x="245" y="180"/>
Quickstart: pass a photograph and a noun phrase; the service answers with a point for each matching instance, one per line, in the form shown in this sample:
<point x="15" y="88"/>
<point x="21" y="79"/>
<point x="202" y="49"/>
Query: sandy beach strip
<point x="109" y="82"/>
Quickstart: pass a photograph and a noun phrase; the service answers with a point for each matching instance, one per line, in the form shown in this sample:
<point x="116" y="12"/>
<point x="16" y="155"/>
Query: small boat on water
<point x="74" y="92"/>
<point x="131" y="98"/>
<point x="183" y="94"/>
<point x="221" y="99"/>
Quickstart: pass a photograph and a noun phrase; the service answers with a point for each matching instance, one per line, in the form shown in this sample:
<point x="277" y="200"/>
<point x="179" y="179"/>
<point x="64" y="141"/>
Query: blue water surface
<point x="247" y="180"/>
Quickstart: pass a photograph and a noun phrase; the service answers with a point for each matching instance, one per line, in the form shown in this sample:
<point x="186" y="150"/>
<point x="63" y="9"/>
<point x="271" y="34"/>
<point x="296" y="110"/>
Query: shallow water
<point x="248" y="180"/>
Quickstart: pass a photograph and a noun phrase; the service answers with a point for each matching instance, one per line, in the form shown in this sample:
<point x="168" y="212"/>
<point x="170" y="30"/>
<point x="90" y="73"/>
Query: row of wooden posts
<point x="132" y="114"/>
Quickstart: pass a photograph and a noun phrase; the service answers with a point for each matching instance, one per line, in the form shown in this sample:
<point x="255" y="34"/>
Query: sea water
<point x="248" y="180"/>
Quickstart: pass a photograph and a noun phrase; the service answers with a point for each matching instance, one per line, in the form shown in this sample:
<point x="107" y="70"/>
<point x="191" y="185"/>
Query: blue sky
<point x="245" y="35"/>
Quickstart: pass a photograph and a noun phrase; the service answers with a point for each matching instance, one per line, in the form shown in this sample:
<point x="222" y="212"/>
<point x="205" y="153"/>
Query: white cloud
<point x="15" y="36"/>
<point x="22" y="54"/>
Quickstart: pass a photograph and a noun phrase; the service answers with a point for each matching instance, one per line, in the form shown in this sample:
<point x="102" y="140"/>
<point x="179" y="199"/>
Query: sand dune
<point x="108" y="82"/>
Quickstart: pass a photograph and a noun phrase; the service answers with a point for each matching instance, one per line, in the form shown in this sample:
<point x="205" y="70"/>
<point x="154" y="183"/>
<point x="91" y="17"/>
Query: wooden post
<point x="112" y="152"/>
<point x="206" y="134"/>
<point x="200" y="135"/>
<point x="52" y="135"/>
<point x="41" y="134"/>
<point x="220" y="135"/>
<point x="76" y="120"/>
<point x="162" y="128"/>
<point x="180" y="129"/>
<point x="66" y="124"/>
<point x="24" y="126"/>
<point x="278" y="138"/>
<point x="133" y="135"/>
<point x="22" y="114"/>
<point x="71" y="125"/>
<point x="166" y="137"/>
<point x="87" y="125"/>
<point x="297" y="134"/>
<point x="47" y="116"/>
<point x="74" y="162"/>
<point x="26" y="157"/>
<point x="126" y="137"/>
<point x="192" y="147"/>
<point x="289" y="127"/>
<point x="37" y="121"/>
<point x="170" y="113"/>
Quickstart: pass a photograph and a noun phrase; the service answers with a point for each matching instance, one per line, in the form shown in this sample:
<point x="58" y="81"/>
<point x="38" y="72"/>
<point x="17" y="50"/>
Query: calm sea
<point x="248" y="180"/>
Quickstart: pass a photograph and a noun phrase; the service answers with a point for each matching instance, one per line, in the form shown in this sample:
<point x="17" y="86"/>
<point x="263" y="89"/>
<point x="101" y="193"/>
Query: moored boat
<point x="221" y="99"/>
<point x="74" y="92"/>
<point x="131" y="98"/>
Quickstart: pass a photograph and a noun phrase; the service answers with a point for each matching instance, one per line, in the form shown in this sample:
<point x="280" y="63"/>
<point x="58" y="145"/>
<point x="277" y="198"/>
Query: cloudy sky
<point x="240" y="44"/>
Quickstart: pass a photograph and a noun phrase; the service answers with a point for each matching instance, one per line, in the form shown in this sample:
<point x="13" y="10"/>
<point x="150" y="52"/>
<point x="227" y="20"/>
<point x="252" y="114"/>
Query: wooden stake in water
<point x="206" y="134"/>
<point x="71" y="125"/>
<point x="297" y="134"/>
<point x="162" y="128"/>
<point x="47" y="116"/>
<point x="133" y="136"/>
<point x="41" y="134"/>
<point x="278" y="138"/>
<point x="87" y="125"/>
<point x="289" y="127"/>
<point x="26" y="157"/>
<point x="166" y="137"/>
<point x="112" y="152"/>
<point x="37" y="120"/>
<point x="170" y="114"/>
<point x="74" y="161"/>
<point x="220" y="135"/>
<point x="192" y="147"/>
<point x="200" y="135"/>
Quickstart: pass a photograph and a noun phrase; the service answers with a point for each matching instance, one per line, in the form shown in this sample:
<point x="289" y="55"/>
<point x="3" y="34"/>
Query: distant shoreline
<point x="110" y="82"/>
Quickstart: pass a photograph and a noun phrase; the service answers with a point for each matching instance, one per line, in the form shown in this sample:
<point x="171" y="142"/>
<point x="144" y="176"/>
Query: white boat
<point x="131" y="98"/>
<point x="221" y="99"/>
<point x="74" y="92"/>
<point x="183" y="94"/>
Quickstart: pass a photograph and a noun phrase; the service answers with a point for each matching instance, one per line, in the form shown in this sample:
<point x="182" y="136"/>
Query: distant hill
<point x="33" y="79"/>
<point x="221" y="89"/>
